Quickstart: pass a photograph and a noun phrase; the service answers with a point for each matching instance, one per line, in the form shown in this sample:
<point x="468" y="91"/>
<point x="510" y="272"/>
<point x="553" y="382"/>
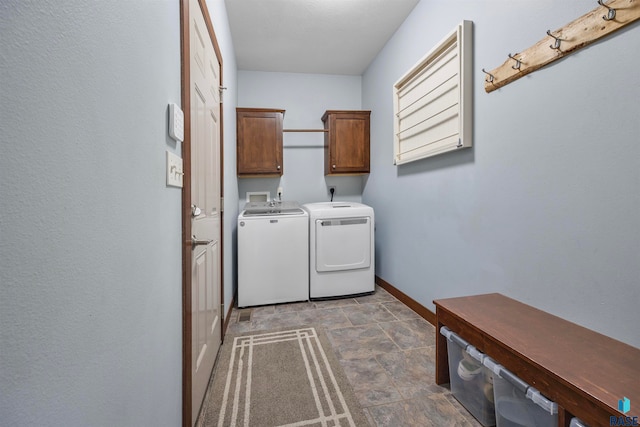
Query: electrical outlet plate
<point x="174" y="170"/>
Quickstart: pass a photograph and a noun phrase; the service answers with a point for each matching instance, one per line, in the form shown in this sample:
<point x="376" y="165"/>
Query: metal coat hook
<point x="556" y="45"/>
<point x="611" y="14"/>
<point x="518" y="62"/>
<point x="491" y="77"/>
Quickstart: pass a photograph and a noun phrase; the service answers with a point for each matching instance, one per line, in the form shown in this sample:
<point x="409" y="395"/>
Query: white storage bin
<point x="517" y="404"/>
<point x="577" y="422"/>
<point x="471" y="382"/>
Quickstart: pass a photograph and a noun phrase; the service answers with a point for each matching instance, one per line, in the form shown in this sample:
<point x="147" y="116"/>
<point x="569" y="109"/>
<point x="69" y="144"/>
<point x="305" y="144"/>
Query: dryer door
<point x="343" y="244"/>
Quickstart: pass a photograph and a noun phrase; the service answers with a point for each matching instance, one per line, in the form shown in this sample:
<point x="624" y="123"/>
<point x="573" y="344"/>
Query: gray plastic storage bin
<point x="471" y="382"/>
<point x="576" y="422"/>
<point x="518" y="404"/>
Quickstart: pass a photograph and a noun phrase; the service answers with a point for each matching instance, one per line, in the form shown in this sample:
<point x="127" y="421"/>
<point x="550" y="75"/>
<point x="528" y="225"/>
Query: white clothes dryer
<point x="341" y="249"/>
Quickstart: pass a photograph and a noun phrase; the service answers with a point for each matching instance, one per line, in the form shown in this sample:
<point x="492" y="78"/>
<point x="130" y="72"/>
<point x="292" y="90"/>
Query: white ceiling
<point x="313" y="36"/>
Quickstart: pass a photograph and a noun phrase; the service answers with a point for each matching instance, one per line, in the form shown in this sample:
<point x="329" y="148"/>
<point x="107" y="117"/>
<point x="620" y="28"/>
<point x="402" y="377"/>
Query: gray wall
<point x="305" y="97"/>
<point x="90" y="248"/>
<point x="544" y="207"/>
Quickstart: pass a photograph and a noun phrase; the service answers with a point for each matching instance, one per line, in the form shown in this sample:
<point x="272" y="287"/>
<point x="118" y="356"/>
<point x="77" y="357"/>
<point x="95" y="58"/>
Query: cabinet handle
<point x="334" y="166"/>
<point x="278" y="167"/>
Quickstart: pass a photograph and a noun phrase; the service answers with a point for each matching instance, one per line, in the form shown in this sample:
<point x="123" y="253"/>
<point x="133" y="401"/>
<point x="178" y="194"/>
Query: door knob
<point x="195" y="242"/>
<point x="195" y="211"/>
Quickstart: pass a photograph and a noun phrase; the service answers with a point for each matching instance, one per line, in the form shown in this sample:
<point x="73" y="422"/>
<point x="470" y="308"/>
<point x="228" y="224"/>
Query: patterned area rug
<point x="280" y="378"/>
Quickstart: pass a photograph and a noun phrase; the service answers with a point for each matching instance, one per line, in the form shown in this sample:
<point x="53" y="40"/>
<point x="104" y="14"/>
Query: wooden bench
<point x="584" y="372"/>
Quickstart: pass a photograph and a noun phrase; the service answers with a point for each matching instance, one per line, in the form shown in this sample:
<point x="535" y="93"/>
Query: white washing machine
<point x="341" y="249"/>
<point x="273" y="253"/>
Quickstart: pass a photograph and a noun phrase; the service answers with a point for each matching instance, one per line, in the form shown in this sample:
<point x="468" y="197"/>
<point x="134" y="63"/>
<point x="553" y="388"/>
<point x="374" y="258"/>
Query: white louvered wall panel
<point x="432" y="101"/>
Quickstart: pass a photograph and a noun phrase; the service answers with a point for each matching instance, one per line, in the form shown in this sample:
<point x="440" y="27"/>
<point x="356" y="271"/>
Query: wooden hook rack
<point x="601" y="21"/>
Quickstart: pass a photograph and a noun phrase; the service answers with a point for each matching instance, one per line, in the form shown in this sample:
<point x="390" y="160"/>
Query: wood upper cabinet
<point x="259" y="141"/>
<point x="346" y="142"/>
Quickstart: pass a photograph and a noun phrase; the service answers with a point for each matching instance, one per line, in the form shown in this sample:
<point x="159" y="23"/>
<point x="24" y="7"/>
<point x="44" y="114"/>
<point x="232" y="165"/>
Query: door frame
<point x="186" y="199"/>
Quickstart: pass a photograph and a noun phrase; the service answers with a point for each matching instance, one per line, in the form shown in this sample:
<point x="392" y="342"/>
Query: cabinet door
<point x="259" y="137"/>
<point x="348" y="141"/>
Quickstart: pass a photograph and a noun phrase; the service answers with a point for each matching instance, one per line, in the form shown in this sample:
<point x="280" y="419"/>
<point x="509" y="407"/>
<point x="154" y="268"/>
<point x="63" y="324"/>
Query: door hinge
<point x="221" y="204"/>
<point x="220" y="89"/>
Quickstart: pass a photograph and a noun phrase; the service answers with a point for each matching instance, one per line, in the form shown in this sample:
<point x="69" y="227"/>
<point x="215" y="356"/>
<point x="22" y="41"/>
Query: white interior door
<point x="206" y="316"/>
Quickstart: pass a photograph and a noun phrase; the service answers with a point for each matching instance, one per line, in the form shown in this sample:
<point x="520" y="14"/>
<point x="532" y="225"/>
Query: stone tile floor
<point x="386" y="350"/>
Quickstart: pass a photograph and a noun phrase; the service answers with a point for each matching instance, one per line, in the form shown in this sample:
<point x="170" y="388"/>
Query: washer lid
<point x="272" y="212"/>
<point x="272" y="208"/>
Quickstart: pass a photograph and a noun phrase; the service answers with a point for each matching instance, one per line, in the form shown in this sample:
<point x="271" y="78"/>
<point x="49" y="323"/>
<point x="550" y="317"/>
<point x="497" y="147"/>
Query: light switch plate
<point x="174" y="170"/>
<point x="176" y="122"/>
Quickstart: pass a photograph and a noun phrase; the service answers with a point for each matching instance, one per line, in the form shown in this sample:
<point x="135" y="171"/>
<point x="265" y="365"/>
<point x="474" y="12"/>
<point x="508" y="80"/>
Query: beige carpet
<point x="280" y="378"/>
